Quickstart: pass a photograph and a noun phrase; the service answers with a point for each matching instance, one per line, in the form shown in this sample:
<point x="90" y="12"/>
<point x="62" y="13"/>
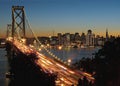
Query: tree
<point x="107" y="62"/>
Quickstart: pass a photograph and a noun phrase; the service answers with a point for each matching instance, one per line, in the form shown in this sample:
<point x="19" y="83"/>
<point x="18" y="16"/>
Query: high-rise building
<point x="83" y="38"/>
<point x="59" y="38"/>
<point x="90" y="38"/>
<point x="107" y="36"/>
<point x="77" y="37"/>
<point x="72" y="36"/>
<point x="67" y="41"/>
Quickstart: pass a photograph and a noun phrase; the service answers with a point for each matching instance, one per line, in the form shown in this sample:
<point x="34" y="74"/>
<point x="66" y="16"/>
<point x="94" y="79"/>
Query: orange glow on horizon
<point x="45" y="32"/>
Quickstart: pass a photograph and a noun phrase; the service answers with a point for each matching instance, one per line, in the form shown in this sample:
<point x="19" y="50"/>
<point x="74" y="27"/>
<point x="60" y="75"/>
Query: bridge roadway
<point x="66" y="75"/>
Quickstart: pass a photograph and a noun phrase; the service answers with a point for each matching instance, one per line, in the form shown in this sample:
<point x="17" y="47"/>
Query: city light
<point x="69" y="61"/>
<point x="59" y="47"/>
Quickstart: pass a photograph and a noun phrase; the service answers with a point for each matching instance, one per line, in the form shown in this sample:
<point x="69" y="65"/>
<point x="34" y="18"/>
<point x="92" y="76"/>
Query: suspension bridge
<point x="16" y="35"/>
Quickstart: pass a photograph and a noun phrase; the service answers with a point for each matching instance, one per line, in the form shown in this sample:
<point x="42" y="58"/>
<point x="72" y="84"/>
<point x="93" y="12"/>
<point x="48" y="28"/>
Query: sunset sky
<point x="61" y="16"/>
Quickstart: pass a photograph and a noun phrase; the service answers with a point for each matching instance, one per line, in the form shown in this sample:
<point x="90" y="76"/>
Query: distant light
<point x="48" y="45"/>
<point x="69" y="60"/>
<point x="42" y="45"/>
<point x="2" y="43"/>
<point x="23" y="40"/>
<point x="31" y="45"/>
<point x="62" y="85"/>
<point x="60" y="47"/>
<point x="39" y="49"/>
<point x="62" y="79"/>
<point x="49" y="36"/>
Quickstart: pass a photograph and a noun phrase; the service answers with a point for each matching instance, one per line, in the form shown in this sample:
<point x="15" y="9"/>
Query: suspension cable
<point x="29" y="26"/>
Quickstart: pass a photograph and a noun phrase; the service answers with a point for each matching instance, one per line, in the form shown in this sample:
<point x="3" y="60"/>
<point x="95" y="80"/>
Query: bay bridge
<point x="16" y="36"/>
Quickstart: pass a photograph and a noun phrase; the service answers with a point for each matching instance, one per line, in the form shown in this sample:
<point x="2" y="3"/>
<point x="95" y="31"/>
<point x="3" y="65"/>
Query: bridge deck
<point x="65" y="73"/>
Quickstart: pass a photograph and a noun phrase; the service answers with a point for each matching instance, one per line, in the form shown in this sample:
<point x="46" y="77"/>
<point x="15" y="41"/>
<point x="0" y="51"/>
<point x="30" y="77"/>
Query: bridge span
<point x="68" y="76"/>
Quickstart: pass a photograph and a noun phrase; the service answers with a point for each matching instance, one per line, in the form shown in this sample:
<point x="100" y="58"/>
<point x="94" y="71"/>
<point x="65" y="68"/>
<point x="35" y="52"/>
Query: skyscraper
<point x="107" y="36"/>
<point x="90" y="38"/>
<point x="59" y="38"/>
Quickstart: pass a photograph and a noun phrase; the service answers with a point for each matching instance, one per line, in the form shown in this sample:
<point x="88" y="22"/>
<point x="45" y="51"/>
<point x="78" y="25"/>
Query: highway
<point x="66" y="76"/>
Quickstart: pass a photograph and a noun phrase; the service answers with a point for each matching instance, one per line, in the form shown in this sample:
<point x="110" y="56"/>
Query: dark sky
<point x="65" y="15"/>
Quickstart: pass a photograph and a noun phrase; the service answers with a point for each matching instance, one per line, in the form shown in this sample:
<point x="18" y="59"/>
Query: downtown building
<point x="90" y="38"/>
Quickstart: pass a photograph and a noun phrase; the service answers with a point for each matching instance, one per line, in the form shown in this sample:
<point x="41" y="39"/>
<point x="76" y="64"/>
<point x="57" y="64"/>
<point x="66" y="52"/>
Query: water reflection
<point x="74" y="54"/>
<point x="3" y="67"/>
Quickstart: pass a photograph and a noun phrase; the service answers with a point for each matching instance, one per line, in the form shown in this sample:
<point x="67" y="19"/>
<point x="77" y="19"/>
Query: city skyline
<point x="62" y="16"/>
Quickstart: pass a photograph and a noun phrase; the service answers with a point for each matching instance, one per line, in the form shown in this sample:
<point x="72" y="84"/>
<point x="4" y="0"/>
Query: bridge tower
<point x="9" y="30"/>
<point x="18" y="21"/>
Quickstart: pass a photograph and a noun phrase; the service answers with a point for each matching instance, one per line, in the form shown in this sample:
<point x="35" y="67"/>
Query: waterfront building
<point x="72" y="36"/>
<point x="54" y="40"/>
<point x="83" y="38"/>
<point x="77" y="38"/>
<point x="59" y="38"/>
<point x="67" y="39"/>
<point x="99" y="41"/>
<point x="44" y="40"/>
<point x="90" y="38"/>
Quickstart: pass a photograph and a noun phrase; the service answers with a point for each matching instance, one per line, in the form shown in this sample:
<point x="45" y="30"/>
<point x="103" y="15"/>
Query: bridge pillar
<point x="9" y="30"/>
<point x="18" y="21"/>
